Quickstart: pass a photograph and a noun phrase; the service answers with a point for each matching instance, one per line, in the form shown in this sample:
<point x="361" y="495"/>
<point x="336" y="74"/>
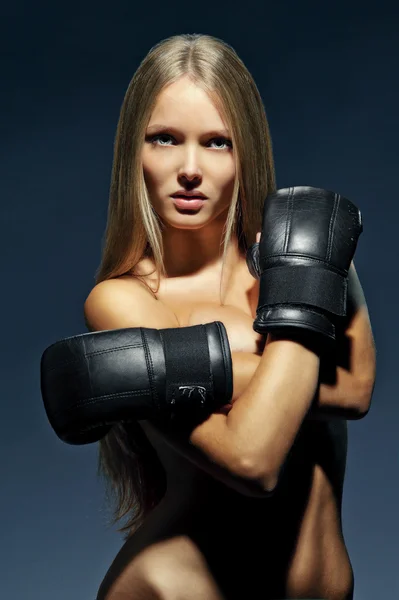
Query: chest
<point x="199" y="301"/>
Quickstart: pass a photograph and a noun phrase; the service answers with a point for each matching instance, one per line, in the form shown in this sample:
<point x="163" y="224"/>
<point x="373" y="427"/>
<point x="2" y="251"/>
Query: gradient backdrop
<point x="328" y="76"/>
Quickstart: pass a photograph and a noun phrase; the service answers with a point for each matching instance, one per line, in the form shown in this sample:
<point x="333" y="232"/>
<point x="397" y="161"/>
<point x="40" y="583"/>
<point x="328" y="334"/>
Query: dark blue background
<point x="328" y="75"/>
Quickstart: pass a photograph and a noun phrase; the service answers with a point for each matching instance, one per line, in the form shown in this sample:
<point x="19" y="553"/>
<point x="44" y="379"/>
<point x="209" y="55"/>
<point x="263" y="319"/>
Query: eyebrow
<point x="160" y="127"/>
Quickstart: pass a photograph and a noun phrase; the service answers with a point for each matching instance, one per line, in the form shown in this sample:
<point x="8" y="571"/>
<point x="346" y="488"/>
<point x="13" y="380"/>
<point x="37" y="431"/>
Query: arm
<point x="347" y="378"/>
<point x="122" y="304"/>
<point x="343" y="391"/>
<point x="214" y="446"/>
<point x="201" y="455"/>
<point x="310" y="239"/>
<point x="264" y="421"/>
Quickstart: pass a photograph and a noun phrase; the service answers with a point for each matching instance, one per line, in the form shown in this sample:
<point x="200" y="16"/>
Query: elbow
<point x="269" y="482"/>
<point x="363" y="402"/>
<point x="263" y="479"/>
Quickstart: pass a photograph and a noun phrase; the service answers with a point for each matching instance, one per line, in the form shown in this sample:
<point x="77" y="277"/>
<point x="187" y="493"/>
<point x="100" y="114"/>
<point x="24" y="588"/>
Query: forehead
<point x="186" y="101"/>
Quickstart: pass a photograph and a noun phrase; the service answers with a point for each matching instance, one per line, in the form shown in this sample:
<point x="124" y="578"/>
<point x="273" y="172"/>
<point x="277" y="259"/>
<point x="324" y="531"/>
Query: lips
<point x="188" y="202"/>
<point x="188" y="194"/>
<point x="184" y="197"/>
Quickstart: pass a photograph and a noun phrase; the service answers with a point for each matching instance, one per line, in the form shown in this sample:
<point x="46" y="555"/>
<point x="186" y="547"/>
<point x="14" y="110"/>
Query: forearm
<point x="204" y="460"/>
<point x="265" y="420"/>
<point x="340" y="399"/>
<point x="337" y="395"/>
<point x="207" y="449"/>
<point x="210" y="445"/>
<point x="347" y="375"/>
<point x="215" y="463"/>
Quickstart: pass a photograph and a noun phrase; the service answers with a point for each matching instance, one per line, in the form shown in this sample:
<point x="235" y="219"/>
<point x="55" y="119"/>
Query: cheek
<point x="223" y="170"/>
<point x="153" y="171"/>
<point x="155" y="165"/>
<point x="225" y="180"/>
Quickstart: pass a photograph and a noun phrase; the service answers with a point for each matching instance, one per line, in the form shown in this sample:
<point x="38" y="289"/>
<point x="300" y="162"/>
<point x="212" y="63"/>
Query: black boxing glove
<point x="93" y="380"/>
<point x="308" y="239"/>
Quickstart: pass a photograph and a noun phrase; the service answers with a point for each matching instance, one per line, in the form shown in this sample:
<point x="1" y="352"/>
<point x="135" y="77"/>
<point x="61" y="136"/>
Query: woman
<point x="193" y="121"/>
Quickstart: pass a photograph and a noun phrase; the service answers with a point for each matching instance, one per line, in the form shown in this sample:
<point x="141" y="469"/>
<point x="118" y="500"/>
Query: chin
<point x="184" y="220"/>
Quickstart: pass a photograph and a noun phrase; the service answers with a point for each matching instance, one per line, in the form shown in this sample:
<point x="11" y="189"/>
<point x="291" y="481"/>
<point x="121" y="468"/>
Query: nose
<point x="190" y="168"/>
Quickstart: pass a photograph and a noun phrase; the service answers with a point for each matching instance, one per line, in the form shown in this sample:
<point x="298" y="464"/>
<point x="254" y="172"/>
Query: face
<point x="187" y="147"/>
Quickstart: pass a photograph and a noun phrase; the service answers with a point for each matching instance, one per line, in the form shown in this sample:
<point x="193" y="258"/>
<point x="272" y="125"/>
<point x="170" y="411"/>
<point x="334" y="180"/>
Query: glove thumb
<point x="252" y="258"/>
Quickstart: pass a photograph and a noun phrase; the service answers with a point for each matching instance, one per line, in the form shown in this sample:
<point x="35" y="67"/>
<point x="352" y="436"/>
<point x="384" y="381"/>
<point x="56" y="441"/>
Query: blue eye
<point x="153" y="139"/>
<point x="224" y="141"/>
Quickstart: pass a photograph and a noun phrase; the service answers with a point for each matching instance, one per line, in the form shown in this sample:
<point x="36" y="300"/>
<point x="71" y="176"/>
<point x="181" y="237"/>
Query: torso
<point x="290" y="543"/>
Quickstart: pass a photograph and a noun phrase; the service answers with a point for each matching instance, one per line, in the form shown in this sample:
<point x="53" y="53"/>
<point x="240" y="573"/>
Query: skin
<point x="186" y="156"/>
<point x="194" y="154"/>
<point x="193" y="159"/>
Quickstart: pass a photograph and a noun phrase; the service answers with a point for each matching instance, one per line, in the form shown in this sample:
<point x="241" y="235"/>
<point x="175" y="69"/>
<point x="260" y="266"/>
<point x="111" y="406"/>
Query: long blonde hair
<point x="126" y="458"/>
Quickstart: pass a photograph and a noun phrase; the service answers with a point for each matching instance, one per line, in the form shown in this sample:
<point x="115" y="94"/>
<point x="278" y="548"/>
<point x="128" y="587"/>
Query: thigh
<point x="131" y="584"/>
<point x="165" y="522"/>
<point x="173" y="569"/>
<point x="177" y="570"/>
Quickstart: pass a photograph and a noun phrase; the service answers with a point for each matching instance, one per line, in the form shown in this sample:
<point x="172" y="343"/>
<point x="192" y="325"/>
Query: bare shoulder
<point x="125" y="302"/>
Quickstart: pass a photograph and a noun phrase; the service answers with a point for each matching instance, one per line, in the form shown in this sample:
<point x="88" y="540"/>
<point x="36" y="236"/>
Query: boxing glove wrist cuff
<point x="304" y="285"/>
<point x="193" y="374"/>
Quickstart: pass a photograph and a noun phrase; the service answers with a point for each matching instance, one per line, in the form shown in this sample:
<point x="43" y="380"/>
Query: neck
<point x="189" y="252"/>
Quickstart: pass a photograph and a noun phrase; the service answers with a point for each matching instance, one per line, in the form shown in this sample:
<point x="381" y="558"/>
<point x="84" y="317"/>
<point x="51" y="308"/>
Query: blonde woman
<point x="192" y="168"/>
